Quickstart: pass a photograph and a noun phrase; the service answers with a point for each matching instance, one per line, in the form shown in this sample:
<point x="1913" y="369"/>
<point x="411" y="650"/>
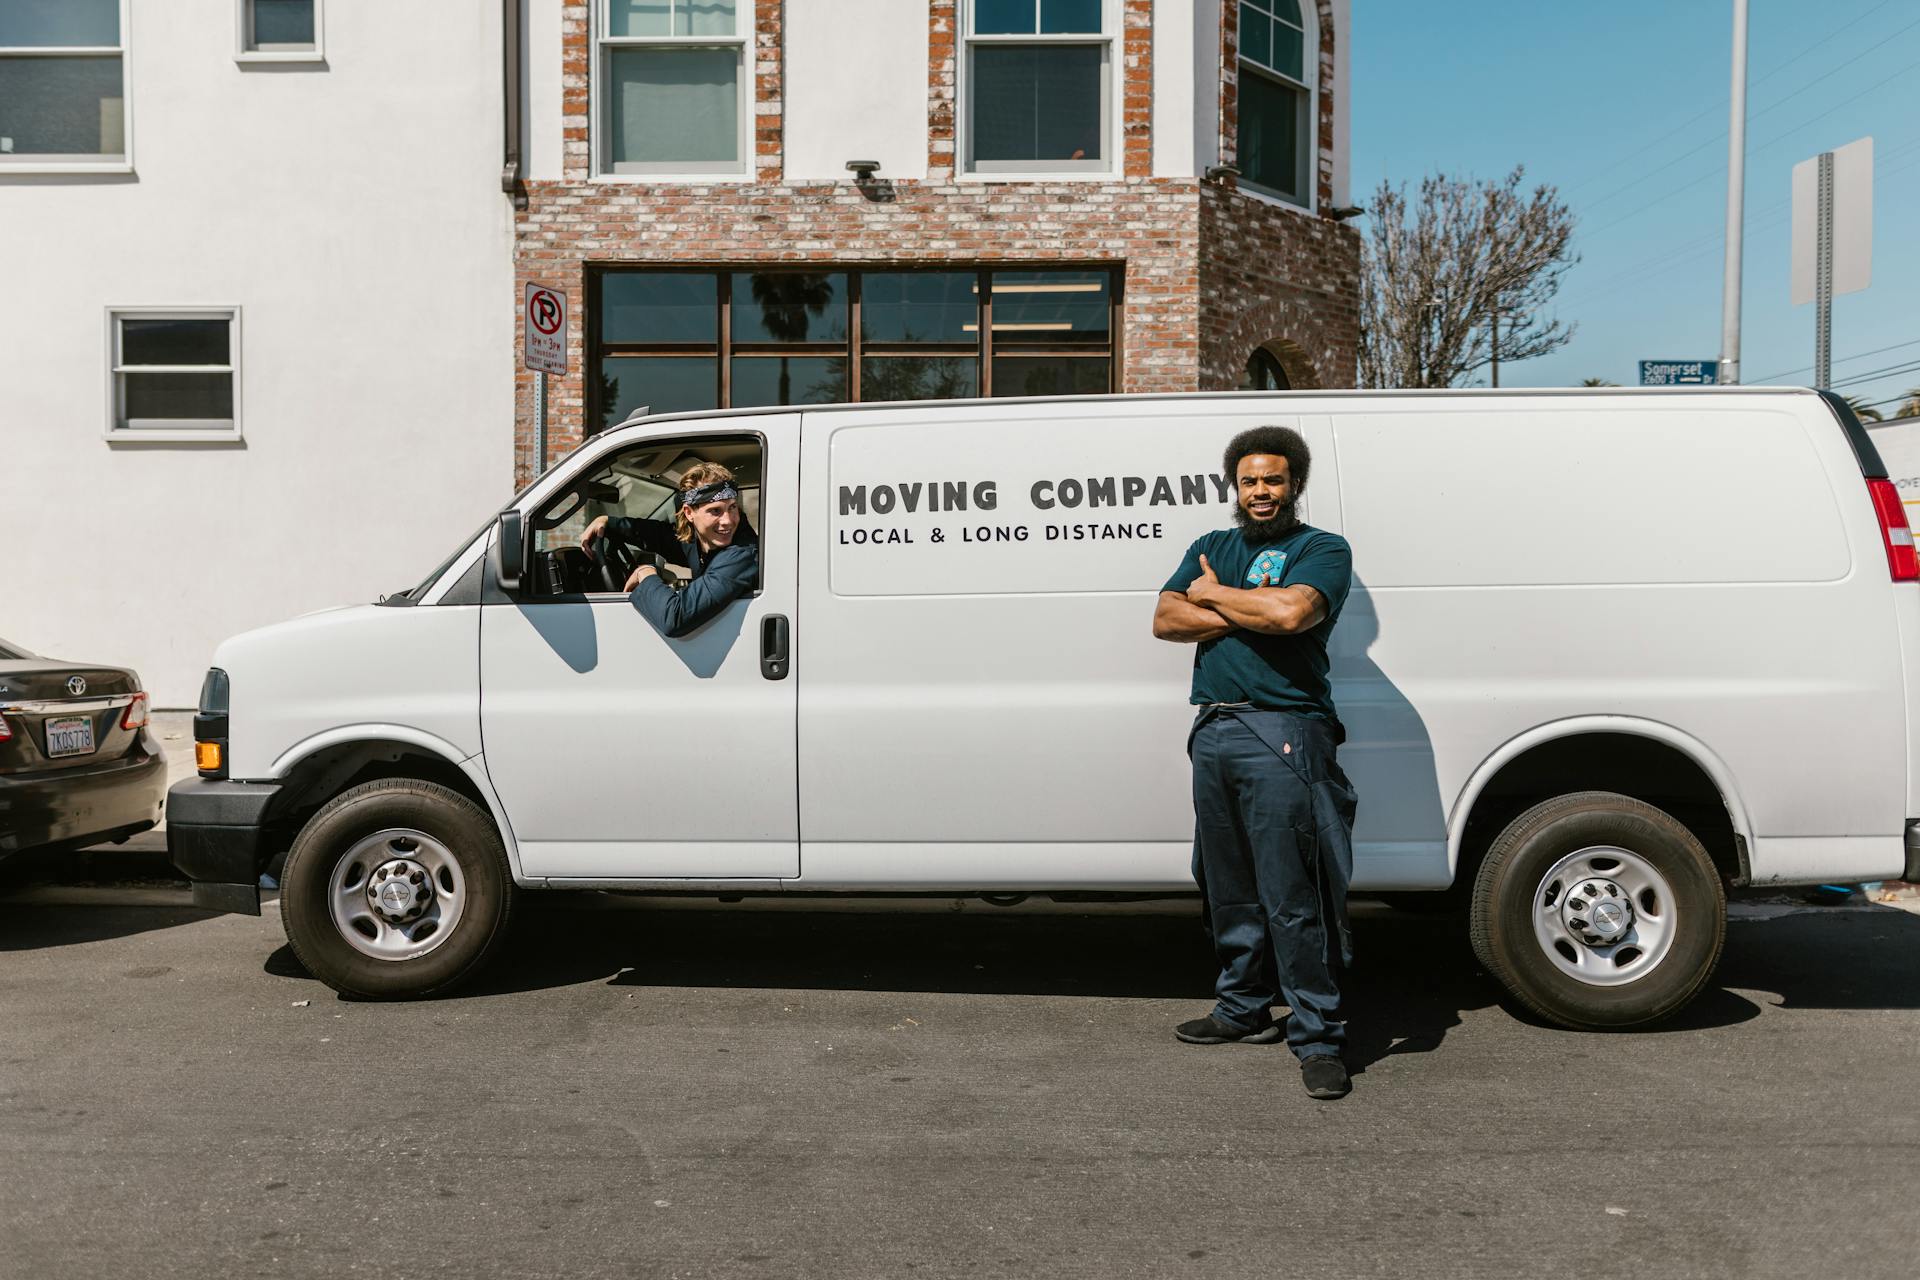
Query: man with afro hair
<point x="1273" y="813"/>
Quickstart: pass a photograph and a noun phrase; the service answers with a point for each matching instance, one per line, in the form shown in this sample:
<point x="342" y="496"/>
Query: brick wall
<point x="1151" y="225"/>
<point x="1210" y="273"/>
<point x="1277" y="278"/>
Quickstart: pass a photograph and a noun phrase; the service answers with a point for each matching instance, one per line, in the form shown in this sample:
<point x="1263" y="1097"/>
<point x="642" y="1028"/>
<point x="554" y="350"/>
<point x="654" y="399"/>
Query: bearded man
<point x="1273" y="813"/>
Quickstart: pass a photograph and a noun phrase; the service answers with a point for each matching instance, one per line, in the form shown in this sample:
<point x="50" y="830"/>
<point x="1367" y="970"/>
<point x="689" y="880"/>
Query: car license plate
<point x="72" y="736"/>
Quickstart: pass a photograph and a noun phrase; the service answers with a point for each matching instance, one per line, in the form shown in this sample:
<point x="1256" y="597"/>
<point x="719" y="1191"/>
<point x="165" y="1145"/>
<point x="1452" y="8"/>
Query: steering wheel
<point x="614" y="560"/>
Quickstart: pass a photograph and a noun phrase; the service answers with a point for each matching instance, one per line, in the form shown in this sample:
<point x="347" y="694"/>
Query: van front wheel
<point x="1597" y="911"/>
<point x="396" y="889"/>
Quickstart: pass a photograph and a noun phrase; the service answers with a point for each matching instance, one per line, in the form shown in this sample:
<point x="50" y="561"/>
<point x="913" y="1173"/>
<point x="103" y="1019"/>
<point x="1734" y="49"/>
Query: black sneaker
<point x="1325" y="1076"/>
<point x="1210" y="1030"/>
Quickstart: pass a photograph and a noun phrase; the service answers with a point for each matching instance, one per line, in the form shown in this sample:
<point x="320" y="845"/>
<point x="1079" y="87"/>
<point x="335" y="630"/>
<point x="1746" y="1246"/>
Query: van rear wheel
<point x="1597" y="911"/>
<point x="396" y="889"/>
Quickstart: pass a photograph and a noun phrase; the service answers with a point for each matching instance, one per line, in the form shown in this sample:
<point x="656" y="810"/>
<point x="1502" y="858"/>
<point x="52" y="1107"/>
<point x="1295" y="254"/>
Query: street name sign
<point x="1679" y="373"/>
<point x="546" y="326"/>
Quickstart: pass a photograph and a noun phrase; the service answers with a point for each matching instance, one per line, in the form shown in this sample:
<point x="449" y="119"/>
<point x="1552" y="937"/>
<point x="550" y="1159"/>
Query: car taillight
<point x="136" y="716"/>
<point x="5" y="731"/>
<point x="1902" y="563"/>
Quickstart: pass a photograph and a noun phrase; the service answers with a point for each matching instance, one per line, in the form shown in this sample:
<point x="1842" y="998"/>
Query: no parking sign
<point x="546" y="326"/>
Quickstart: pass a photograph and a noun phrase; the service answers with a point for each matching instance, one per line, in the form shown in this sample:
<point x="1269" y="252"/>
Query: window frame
<point x="604" y="457"/>
<point x="1310" y="125"/>
<point x="600" y="132"/>
<point x="123" y="163"/>
<point x="1112" y="70"/>
<point x="854" y="349"/>
<point x="183" y="430"/>
<point x="243" y="19"/>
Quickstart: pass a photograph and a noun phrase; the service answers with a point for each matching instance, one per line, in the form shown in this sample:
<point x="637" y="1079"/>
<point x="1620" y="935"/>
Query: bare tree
<point x="1445" y="267"/>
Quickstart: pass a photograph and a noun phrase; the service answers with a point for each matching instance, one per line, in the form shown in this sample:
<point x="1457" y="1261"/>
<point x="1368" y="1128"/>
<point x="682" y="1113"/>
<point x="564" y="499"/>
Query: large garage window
<point x="1277" y="56"/>
<point x="677" y="341"/>
<point x="63" y="94"/>
<point x="671" y="81"/>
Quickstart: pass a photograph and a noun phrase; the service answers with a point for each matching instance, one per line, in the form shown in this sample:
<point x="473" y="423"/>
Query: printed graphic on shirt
<point x="1268" y="564"/>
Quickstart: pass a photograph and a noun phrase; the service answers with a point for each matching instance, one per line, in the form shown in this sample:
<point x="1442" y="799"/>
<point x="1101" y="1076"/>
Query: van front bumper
<point x="215" y="835"/>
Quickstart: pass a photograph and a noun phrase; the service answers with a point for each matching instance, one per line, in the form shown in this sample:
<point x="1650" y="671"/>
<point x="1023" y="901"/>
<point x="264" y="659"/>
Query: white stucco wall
<point x="856" y="88"/>
<point x="353" y="213"/>
<point x="1175" y="87"/>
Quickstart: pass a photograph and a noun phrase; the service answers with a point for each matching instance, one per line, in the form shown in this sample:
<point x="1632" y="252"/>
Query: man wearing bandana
<point x="709" y="535"/>
<point x="1273" y="813"/>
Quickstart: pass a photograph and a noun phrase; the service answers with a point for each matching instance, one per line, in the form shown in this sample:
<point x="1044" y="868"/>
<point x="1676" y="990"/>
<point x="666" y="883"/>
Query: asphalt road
<point x="731" y="1092"/>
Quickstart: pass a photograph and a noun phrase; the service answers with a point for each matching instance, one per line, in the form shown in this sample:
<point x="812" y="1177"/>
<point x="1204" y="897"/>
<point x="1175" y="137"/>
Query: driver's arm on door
<point x="656" y="536"/>
<point x="731" y="574"/>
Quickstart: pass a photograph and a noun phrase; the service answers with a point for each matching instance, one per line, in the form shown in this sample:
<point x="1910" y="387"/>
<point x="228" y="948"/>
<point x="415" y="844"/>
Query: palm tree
<point x="1863" y="409"/>
<point x="1910" y="407"/>
<point x="1597" y="382"/>
<point x="786" y="300"/>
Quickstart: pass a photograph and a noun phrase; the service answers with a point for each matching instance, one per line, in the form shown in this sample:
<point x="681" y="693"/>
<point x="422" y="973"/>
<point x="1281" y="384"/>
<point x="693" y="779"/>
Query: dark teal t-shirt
<point x="1278" y="673"/>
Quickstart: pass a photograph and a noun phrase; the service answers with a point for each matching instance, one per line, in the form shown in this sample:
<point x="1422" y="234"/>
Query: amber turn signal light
<point x="207" y="757"/>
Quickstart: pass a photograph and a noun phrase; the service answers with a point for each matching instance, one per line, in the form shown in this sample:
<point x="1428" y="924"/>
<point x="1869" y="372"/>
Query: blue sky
<point x="1623" y="107"/>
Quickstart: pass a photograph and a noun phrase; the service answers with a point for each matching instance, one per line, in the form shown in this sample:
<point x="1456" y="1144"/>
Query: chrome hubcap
<point x="397" y="894"/>
<point x="1598" y="912"/>
<point x="1604" y="916"/>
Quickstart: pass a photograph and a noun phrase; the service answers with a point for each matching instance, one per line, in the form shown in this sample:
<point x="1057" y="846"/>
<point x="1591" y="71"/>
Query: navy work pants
<point x="1273" y="853"/>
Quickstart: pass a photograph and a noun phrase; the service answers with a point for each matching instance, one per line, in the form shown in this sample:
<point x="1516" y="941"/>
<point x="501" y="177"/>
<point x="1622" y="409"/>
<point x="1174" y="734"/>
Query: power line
<point x="1778" y="137"/>
<point x="1892" y="370"/>
<point x="1772" y="106"/>
<point x="1807" y="368"/>
<point x="1721" y="104"/>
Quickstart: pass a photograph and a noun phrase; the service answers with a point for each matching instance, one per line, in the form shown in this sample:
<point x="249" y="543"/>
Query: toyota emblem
<point x="76" y="685"/>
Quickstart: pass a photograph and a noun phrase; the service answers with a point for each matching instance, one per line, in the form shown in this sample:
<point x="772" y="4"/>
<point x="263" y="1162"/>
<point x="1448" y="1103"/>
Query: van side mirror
<point x="509" y="550"/>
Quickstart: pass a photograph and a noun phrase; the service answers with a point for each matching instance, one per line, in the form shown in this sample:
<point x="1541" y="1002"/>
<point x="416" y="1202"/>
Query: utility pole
<point x="1736" y="201"/>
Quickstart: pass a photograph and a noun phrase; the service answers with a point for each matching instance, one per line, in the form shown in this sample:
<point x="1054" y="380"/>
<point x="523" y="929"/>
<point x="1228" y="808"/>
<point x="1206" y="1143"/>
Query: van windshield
<point x="412" y="594"/>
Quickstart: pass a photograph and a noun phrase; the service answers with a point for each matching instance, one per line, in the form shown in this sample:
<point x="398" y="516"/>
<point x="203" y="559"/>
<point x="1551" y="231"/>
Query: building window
<point x="63" y="96"/>
<point x="1038" y="89"/>
<point x="677" y="341"/>
<point x="175" y="373"/>
<point x="280" y="30"/>
<point x="671" y="81"/>
<point x="1277" y="55"/>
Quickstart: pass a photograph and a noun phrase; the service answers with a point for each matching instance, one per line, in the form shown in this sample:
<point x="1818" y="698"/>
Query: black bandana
<point x="718" y="491"/>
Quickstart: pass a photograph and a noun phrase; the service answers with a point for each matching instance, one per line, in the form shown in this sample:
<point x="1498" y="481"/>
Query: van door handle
<point x="773" y="646"/>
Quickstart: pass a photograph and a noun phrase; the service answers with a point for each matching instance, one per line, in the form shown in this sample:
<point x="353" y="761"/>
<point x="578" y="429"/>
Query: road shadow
<point x="1414" y="979"/>
<point x="32" y="926"/>
<point x="1817" y="958"/>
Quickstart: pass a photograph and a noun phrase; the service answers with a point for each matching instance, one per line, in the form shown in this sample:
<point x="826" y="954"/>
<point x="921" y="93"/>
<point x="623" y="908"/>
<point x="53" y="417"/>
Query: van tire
<point x="465" y="848"/>
<point x="1530" y="887"/>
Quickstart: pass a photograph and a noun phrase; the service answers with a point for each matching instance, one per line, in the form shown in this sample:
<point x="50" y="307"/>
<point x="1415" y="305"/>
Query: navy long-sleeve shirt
<point x="729" y="574"/>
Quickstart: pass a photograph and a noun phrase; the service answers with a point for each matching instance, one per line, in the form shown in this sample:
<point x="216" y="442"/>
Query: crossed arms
<point x="1207" y="610"/>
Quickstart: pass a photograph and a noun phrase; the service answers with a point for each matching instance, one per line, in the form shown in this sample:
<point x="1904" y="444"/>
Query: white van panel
<point x="978" y="505"/>
<point x="617" y="752"/>
<point x="1012" y="714"/>
<point x="1524" y="495"/>
<point x="344" y="673"/>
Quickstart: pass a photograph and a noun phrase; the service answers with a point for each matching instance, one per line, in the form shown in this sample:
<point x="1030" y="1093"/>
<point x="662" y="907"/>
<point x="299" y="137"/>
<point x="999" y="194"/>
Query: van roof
<point x="1172" y="397"/>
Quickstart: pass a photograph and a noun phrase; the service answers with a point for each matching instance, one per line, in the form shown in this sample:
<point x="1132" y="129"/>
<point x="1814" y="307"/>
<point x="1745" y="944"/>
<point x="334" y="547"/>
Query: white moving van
<point x="1584" y="687"/>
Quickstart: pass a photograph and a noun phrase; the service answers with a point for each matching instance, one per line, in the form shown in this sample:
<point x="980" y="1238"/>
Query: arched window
<point x="1265" y="373"/>
<point x="1278" y="56"/>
